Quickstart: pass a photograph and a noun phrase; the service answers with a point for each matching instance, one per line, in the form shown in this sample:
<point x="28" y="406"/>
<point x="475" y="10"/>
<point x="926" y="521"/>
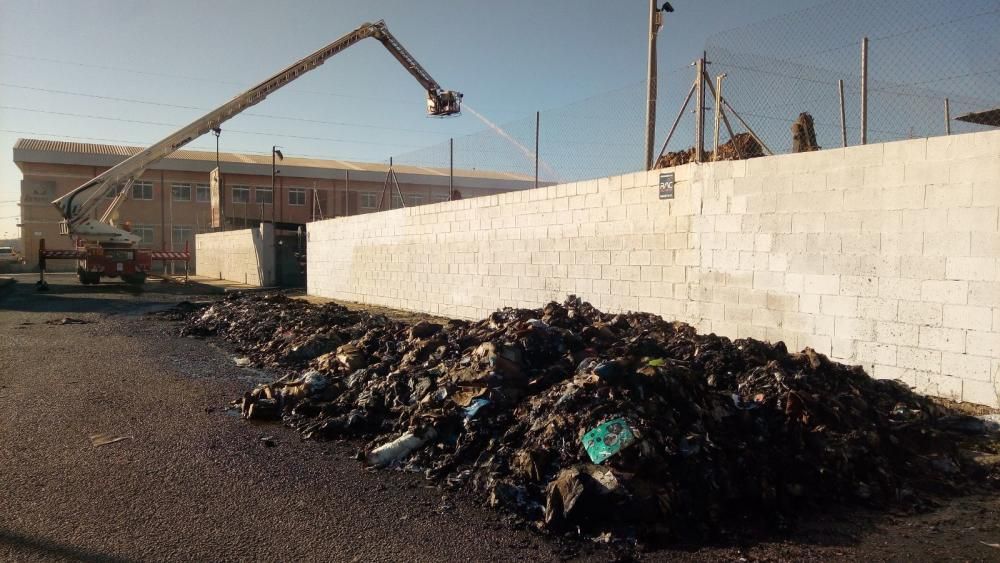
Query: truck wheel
<point x="95" y="277"/>
<point x="84" y="278"/>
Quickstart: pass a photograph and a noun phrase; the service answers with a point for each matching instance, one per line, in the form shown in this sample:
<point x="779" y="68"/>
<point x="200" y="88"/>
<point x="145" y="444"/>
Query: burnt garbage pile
<point x="276" y="331"/>
<point x="578" y="420"/>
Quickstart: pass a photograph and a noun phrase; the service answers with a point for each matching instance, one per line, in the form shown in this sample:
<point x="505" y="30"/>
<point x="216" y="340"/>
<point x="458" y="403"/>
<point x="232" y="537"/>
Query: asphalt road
<point x="193" y="482"/>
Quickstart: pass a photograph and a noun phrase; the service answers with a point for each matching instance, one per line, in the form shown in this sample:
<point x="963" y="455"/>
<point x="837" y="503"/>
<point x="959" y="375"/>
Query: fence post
<point x="718" y="116"/>
<point x="651" y="85"/>
<point x="451" y="167"/>
<point x="947" y="116"/>
<point x="538" y="118"/>
<point x="864" y="91"/>
<point x="843" y="115"/>
<point x="699" y="113"/>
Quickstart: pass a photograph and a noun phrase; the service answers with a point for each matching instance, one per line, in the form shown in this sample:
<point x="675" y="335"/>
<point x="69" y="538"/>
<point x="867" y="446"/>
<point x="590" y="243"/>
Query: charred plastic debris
<point x="605" y="425"/>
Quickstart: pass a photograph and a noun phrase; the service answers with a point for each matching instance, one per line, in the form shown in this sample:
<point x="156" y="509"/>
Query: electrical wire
<point x="161" y="124"/>
<point x="178" y="106"/>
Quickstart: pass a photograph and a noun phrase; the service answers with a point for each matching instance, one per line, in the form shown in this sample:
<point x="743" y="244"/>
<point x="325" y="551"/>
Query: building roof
<point x="95" y="154"/>
<point x="989" y="117"/>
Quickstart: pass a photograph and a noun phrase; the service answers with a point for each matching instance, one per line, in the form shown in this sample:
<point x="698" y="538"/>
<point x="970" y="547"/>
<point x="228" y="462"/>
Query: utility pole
<point x="864" y="91"/>
<point x="655" y="23"/>
<point x="274" y="172"/>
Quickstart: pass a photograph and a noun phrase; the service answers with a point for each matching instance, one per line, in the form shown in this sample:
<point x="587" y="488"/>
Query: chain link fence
<point x="928" y="63"/>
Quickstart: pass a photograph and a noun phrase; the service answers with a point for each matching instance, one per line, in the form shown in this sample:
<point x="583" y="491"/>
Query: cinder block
<point x="982" y="392"/>
<point x="843" y="221"/>
<point x="954" y="292"/>
<point x="983" y="343"/>
<point x="905" y="197"/>
<point x="985" y="244"/>
<point x="986" y="194"/>
<point x="923" y="267"/>
<point x="923" y="220"/>
<point x="821" y="284"/>
<point x="902" y="244"/>
<point x="943" y="339"/>
<point x="968" y="317"/>
<point x="877" y="308"/>
<point x="982" y="219"/>
<point x="819" y="343"/>
<point x="854" y="329"/>
<point x="984" y="293"/>
<point x="899" y="288"/>
<point x="983" y="169"/>
<point x="972" y="268"/>
<point x="871" y="353"/>
<point x="918" y="359"/>
<point x="839" y="306"/>
<point x="944" y="195"/>
<point x="966" y="366"/>
<point x="947" y="244"/>
<point x="897" y="333"/>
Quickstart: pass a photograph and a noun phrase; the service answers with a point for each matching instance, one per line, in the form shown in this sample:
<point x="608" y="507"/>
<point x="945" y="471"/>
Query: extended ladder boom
<point x="76" y="206"/>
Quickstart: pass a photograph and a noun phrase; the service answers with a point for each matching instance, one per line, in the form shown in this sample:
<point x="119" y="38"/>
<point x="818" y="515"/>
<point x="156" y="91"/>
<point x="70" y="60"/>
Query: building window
<point x="367" y="200"/>
<point x="241" y="194"/>
<point x="296" y="196"/>
<point x="142" y="191"/>
<point x="144" y="231"/>
<point x="180" y="235"/>
<point x="263" y="195"/>
<point x="181" y="192"/>
<point x="202" y="193"/>
<point x="397" y="202"/>
<point x="414" y="199"/>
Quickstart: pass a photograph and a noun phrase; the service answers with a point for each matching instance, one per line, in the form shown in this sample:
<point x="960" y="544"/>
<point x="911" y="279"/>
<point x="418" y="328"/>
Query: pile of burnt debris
<point x="613" y="425"/>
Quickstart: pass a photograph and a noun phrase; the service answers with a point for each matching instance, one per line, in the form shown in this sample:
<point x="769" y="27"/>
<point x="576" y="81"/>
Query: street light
<point x="274" y="171"/>
<point x="217" y="131"/>
<point x="655" y="23"/>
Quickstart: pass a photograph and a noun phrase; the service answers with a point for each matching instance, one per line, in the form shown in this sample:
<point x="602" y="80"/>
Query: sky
<point x="131" y="72"/>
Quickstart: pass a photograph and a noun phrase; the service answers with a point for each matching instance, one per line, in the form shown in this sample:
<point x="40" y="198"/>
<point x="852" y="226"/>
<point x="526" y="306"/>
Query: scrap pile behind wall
<point x="574" y="419"/>
<point x="741" y="146"/>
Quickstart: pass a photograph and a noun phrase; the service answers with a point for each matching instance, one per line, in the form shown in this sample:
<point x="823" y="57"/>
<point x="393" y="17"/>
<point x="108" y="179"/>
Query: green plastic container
<point x="607" y="439"/>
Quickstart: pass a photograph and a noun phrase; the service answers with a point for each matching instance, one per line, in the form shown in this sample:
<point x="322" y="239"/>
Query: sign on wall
<point x="667" y="185"/>
<point x="38" y="191"/>
<point x="213" y="184"/>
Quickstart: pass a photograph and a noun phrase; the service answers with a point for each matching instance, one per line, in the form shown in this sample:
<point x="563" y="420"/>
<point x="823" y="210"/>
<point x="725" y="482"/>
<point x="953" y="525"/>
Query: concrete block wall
<point x="243" y="256"/>
<point x="881" y="255"/>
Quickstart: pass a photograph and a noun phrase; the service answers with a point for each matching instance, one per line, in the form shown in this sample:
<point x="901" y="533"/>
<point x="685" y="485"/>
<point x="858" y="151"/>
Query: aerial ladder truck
<point x="104" y="249"/>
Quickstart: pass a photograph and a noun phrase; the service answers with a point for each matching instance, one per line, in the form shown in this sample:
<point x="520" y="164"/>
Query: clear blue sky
<point x="508" y="58"/>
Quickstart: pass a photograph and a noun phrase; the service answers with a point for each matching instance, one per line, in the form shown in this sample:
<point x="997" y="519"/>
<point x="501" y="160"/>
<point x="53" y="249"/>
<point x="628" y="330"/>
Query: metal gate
<point x="290" y="260"/>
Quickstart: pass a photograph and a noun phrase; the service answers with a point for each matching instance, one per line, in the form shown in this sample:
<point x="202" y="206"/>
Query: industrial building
<point x="171" y="202"/>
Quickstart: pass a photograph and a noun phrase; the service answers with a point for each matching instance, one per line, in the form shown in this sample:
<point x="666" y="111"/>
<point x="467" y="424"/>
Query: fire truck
<point x="104" y="249"/>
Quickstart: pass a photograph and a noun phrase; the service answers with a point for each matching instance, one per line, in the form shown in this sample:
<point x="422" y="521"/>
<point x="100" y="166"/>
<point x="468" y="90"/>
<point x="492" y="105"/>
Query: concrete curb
<point x="6" y="282"/>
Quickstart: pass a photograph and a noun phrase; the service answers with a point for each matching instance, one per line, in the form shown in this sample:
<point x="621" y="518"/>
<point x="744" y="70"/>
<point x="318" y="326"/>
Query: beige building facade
<point x="172" y="202"/>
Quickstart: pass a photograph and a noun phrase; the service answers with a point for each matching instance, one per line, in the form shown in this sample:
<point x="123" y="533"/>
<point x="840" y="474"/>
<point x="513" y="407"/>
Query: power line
<point x="146" y="143"/>
<point x="178" y="106"/>
<point x="191" y="78"/>
<point x="161" y="124"/>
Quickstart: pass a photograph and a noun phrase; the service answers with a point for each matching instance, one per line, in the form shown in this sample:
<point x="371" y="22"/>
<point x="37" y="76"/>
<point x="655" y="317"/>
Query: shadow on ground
<point x="47" y="547"/>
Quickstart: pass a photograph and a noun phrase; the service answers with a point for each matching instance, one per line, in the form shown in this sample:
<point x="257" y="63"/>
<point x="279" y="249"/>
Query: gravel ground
<point x="194" y="482"/>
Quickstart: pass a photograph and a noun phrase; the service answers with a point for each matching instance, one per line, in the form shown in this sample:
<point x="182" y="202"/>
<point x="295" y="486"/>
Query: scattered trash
<point x="581" y="421"/>
<point x="98" y="440"/>
<point x="608" y="439"/>
<point x="994" y="545"/>
<point x="241" y="362"/>
<point x="269" y="441"/>
<point x="399" y="448"/>
<point x="68" y="321"/>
